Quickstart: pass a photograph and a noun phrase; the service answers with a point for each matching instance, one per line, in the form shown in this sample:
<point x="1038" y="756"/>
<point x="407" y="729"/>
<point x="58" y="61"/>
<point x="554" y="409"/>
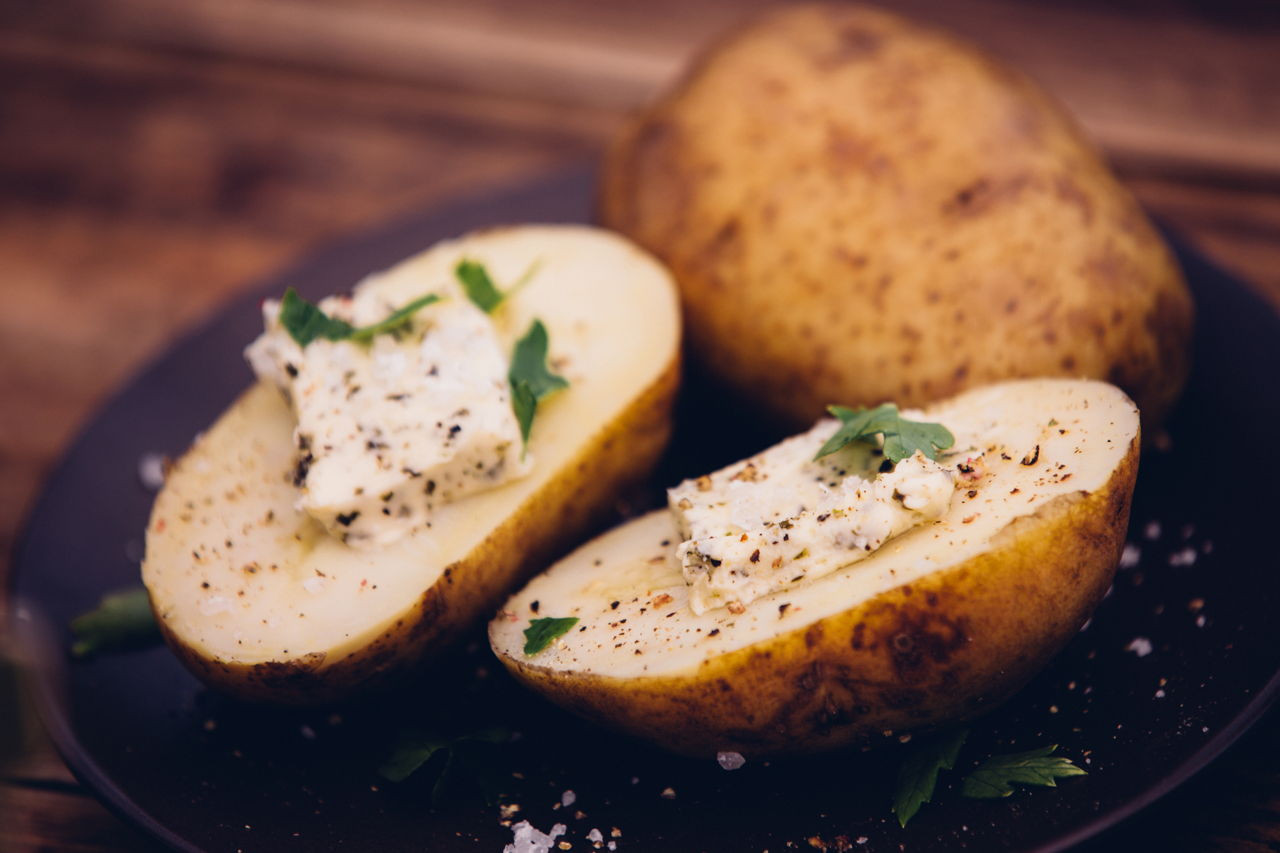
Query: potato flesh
<point x="238" y="574"/>
<point x="1060" y="437"/>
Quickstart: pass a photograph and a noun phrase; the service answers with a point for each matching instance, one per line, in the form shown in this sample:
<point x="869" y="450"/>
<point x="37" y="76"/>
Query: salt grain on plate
<point x="151" y="471"/>
<point x="1159" y="694"/>
<point x="668" y="793"/>
<point x="307" y="732"/>
<point x="595" y="836"/>
<point x="1130" y="556"/>
<point x="1140" y="646"/>
<point x="1152" y="530"/>
<point x="1200" y="621"/>
<point x="730" y="760"/>
<point x="526" y="839"/>
<point x="568" y="798"/>
<point x="1183" y="557"/>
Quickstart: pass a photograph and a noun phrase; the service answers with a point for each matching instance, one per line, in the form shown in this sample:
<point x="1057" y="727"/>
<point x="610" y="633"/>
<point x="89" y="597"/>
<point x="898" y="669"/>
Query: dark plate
<point x="201" y="772"/>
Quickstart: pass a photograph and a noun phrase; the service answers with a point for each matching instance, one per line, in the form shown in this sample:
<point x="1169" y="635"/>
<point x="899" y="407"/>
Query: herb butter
<point x="392" y="426"/>
<point x="782" y="516"/>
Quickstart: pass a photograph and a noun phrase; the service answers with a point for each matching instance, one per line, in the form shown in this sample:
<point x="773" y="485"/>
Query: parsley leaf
<point x="530" y="379"/>
<point x="902" y="438"/>
<point x="395" y="319"/>
<point x="541" y="633"/>
<point x="305" y="322"/>
<point x="480" y="287"/>
<point x="470" y="757"/>
<point x="918" y="775"/>
<point x="122" y="620"/>
<point x="996" y="776"/>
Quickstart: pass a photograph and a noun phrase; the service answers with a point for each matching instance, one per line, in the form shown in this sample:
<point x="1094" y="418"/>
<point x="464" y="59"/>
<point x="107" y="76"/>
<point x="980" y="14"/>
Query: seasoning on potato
<point x="860" y="208"/>
<point x="410" y="452"/>
<point x="820" y="594"/>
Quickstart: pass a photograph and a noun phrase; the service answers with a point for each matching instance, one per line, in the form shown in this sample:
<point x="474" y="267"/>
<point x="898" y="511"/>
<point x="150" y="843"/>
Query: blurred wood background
<point x="158" y="156"/>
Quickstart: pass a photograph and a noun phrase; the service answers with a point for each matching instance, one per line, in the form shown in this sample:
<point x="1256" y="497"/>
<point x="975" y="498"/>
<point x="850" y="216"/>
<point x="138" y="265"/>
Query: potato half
<point x="939" y="624"/>
<point x="860" y="208"/>
<point x="258" y="600"/>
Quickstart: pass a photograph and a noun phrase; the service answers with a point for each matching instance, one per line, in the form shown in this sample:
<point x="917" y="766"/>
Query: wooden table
<point x="158" y="156"/>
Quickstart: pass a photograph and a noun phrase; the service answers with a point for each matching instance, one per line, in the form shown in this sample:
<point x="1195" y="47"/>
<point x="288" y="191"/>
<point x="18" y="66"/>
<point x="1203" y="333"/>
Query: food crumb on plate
<point x="668" y="793"/>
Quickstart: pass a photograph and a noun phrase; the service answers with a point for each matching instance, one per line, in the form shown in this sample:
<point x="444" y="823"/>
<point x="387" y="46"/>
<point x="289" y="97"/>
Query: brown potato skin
<point x="860" y="209"/>
<point x="553" y="519"/>
<point x="946" y="648"/>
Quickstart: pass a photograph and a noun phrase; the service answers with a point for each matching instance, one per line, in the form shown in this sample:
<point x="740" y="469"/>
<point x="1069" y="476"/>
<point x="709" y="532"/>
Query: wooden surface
<point x="158" y="156"/>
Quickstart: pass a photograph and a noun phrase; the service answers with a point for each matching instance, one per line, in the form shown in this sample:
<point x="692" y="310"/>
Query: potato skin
<point x="947" y="648"/>
<point x="554" y="518"/>
<point x="859" y="209"/>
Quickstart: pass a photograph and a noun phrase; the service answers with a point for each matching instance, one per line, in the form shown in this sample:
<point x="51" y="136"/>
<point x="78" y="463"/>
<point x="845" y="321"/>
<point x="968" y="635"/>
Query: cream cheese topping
<point x="390" y="429"/>
<point x="781" y="517"/>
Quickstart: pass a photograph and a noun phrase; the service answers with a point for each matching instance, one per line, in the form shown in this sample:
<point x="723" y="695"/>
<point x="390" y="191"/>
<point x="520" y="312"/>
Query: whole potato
<point x="859" y="209"/>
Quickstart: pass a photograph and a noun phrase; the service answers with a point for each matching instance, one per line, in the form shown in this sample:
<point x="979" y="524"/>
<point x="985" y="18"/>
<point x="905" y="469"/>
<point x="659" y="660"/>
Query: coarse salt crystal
<point x="730" y="760"/>
<point x="527" y="839"/>
<point x="568" y="798"/>
<point x="861" y="839"/>
<point x="1130" y="557"/>
<point x="1140" y="646"/>
<point x="668" y="793"/>
<point x="1159" y="694"/>
<point x="1152" y="530"/>
<point x="595" y="836"/>
<point x="151" y="471"/>
<point x="1183" y="557"/>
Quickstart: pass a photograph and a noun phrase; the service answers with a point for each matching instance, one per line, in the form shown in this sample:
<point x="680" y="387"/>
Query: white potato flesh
<point x="1042" y="438"/>
<point x="238" y="574"/>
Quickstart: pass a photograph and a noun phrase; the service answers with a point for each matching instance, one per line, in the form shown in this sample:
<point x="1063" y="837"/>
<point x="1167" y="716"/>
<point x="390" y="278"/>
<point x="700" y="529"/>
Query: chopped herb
<point x="918" y="775"/>
<point x="470" y="757"/>
<point x="530" y="379"/>
<point x="480" y="287"/>
<point x="122" y="620"/>
<point x="902" y="438"/>
<point x="395" y="319"/>
<point x="996" y="776"/>
<point x="541" y="633"/>
<point x="305" y="322"/>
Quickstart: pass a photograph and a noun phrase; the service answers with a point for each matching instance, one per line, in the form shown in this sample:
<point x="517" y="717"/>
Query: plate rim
<point x="34" y="632"/>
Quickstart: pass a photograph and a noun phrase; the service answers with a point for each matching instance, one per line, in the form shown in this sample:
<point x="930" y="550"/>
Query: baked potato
<point x="259" y="600"/>
<point x="940" y="623"/>
<point x="860" y="208"/>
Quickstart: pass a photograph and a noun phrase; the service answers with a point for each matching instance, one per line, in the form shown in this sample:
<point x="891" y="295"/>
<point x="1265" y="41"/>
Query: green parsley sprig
<point x="531" y="381"/>
<point x="993" y="778"/>
<point x="122" y="621"/>
<point x="305" y="322"/>
<point x="471" y="757"/>
<point x="481" y="290"/>
<point x="918" y="775"/>
<point x="996" y="776"/>
<point x="902" y="437"/>
<point x="541" y="633"/>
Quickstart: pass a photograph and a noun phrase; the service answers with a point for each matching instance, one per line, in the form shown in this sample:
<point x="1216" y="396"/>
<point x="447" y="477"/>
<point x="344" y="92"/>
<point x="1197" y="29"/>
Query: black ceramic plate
<point x="1176" y="664"/>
